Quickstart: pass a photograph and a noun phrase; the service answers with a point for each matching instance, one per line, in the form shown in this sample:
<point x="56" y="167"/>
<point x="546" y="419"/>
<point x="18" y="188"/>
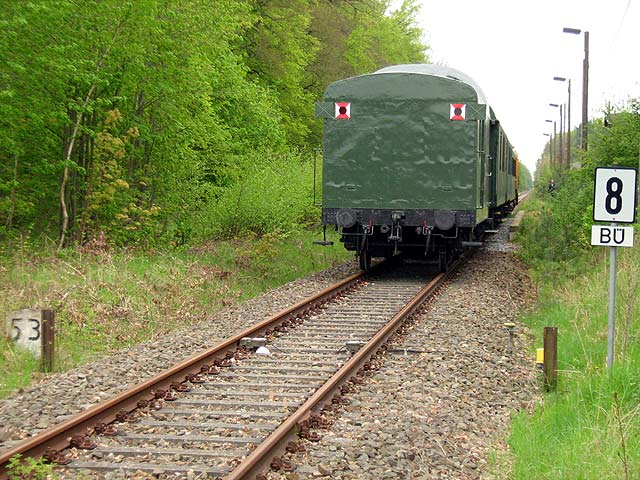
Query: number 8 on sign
<point x="613" y="203"/>
<point x="614" y="197"/>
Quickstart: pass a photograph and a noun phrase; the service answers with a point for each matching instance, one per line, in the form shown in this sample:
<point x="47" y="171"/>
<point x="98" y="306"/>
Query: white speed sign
<point x="615" y="195"/>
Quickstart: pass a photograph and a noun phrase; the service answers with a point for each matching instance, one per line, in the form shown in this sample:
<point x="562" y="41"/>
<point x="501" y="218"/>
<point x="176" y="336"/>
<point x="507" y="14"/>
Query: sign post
<point x="34" y="331"/>
<point x="614" y="201"/>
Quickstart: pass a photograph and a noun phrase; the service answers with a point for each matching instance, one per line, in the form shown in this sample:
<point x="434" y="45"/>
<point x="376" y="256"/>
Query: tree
<point x="127" y="117"/>
<point x="278" y="51"/>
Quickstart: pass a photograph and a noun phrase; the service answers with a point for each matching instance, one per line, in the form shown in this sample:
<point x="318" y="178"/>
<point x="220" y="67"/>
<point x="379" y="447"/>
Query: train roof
<point x="436" y="71"/>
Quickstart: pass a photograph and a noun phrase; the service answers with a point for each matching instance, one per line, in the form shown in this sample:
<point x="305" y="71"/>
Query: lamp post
<point x="561" y="149"/>
<point x="550" y="147"/>
<point x="553" y="141"/>
<point x="585" y="83"/>
<point x="568" y="125"/>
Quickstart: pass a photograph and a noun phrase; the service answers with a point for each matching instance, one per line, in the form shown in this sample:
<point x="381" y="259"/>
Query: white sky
<point x="514" y="48"/>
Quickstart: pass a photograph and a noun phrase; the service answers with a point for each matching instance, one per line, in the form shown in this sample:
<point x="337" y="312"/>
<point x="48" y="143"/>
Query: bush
<point x="277" y="196"/>
<point x="559" y="226"/>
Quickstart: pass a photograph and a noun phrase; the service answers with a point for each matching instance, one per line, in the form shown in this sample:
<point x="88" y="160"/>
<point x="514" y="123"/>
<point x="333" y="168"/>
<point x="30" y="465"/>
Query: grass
<point x="587" y="429"/>
<point x="106" y="300"/>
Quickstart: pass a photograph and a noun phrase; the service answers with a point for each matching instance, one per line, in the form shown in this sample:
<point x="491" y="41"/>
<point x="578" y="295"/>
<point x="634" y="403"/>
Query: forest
<point x="156" y="122"/>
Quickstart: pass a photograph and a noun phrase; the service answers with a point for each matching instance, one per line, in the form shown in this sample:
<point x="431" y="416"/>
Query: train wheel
<point x="365" y="260"/>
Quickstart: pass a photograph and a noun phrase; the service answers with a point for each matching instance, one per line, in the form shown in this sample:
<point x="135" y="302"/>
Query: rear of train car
<point x="414" y="161"/>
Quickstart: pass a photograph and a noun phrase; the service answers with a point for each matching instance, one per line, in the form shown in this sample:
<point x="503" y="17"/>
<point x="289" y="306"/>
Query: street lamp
<point x="553" y="141"/>
<point x="568" y="125"/>
<point x="585" y="82"/>
<point x="561" y="149"/>
<point x="550" y="147"/>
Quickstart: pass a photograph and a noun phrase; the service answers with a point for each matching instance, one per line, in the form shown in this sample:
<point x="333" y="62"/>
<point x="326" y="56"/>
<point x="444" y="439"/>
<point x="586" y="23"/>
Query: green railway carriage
<point x="414" y="161"/>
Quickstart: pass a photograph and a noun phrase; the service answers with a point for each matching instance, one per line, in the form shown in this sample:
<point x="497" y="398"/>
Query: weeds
<point x="29" y="468"/>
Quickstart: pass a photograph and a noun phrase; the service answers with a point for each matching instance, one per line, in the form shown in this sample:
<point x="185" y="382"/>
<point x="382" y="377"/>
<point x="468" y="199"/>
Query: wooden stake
<point x="550" y="358"/>
<point x="48" y="339"/>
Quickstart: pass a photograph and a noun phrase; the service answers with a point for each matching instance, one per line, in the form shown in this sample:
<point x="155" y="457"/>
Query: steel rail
<point x="259" y="460"/>
<point x="58" y="436"/>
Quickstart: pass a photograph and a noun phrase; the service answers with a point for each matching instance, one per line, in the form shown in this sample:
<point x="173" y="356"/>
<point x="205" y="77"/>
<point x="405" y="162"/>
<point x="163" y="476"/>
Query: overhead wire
<point x="612" y="57"/>
<point x="624" y="16"/>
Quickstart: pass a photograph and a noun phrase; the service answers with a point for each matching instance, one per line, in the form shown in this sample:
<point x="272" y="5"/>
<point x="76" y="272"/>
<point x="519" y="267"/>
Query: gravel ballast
<point x="443" y="397"/>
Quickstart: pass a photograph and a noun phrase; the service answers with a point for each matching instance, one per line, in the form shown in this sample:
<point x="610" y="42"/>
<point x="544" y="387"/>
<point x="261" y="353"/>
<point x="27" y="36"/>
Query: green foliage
<point x="618" y="144"/>
<point x="380" y="40"/>
<point x="16" y="366"/>
<point x="164" y="73"/>
<point x="280" y="51"/>
<point x="276" y="197"/>
<point x="29" y="468"/>
<point x="525" y="179"/>
<point x="558" y="228"/>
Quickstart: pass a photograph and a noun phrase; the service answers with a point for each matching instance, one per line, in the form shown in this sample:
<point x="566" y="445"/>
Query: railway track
<point x="231" y="411"/>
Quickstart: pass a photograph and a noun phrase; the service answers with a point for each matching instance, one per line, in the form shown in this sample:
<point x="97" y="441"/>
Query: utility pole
<point x="549" y="148"/>
<point x="561" y="142"/>
<point x="568" y="162"/>
<point x="552" y="143"/>
<point x="585" y="84"/>
<point x="559" y="150"/>
<point x="585" y="91"/>
<point x="555" y="141"/>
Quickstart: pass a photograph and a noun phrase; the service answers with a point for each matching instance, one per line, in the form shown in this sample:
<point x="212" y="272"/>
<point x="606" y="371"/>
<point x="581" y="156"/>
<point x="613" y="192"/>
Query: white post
<point x="612" y="305"/>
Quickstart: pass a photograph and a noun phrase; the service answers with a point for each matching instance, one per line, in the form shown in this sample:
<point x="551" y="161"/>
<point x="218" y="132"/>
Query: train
<point x="414" y="162"/>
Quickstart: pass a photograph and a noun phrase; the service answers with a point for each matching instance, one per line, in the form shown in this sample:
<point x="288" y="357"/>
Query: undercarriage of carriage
<point x="435" y="237"/>
<point x="427" y="244"/>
